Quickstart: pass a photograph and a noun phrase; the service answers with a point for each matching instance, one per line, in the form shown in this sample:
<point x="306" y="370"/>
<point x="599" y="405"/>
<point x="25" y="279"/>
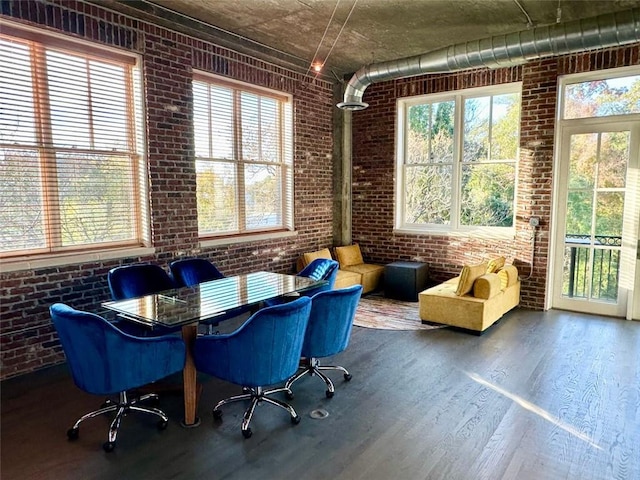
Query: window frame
<point x="54" y="253"/>
<point x="285" y="162"/>
<point x="454" y="228"/>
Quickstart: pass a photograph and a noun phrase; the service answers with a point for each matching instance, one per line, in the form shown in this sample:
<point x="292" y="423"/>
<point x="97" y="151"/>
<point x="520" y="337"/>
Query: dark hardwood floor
<point x="551" y="395"/>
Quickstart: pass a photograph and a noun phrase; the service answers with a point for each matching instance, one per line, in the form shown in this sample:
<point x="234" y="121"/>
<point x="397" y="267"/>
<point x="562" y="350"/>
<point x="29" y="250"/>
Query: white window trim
<point x="402" y="106"/>
<point x="257" y="237"/>
<point x="45" y="261"/>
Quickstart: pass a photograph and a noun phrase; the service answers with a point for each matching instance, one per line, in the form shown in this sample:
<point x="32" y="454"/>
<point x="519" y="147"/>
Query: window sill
<point x="256" y="237"/>
<point x="476" y="233"/>
<point x="32" y="263"/>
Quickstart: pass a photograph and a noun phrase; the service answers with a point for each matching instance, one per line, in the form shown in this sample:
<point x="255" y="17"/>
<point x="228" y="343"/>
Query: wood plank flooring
<point x="552" y="395"/>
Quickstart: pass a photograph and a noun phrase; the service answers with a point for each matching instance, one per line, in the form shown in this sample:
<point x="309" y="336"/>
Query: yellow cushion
<point x="311" y="256"/>
<point x="370" y="275"/>
<point x="346" y="279"/>
<point x="349" y="255"/>
<point x="468" y="276"/>
<point x="486" y="286"/>
<point x="508" y="276"/>
<point x="495" y="264"/>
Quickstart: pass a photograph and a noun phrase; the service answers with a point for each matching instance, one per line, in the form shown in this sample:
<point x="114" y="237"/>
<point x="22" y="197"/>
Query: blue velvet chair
<point x="188" y="272"/>
<point x="106" y="361"/>
<point x="264" y="351"/>
<point x="138" y="280"/>
<point x="318" y="269"/>
<point x="327" y="334"/>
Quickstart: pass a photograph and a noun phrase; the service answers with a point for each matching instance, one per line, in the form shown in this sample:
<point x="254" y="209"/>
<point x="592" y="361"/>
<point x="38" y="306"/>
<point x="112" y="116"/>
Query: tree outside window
<point x="458" y="160"/>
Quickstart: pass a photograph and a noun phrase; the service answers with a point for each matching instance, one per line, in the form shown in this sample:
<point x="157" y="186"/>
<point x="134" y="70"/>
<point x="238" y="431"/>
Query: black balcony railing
<point x="605" y="271"/>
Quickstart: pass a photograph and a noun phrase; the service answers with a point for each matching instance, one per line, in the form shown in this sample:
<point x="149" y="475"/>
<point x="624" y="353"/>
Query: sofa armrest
<point x="487" y="286"/>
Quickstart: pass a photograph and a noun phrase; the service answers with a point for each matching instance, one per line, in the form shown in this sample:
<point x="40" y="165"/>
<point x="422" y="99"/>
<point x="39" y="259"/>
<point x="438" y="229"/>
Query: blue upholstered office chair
<point x="188" y="272"/>
<point x="318" y="269"/>
<point x="106" y="361"/>
<point x="328" y="332"/>
<point x="262" y="352"/>
<point x="138" y="280"/>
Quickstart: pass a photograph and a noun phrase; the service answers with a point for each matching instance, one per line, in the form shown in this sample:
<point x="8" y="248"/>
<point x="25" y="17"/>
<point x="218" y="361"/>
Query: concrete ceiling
<point x="289" y="32"/>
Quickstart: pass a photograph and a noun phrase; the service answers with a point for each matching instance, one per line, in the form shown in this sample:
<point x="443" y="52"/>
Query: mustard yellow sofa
<point x="350" y="259"/>
<point x="352" y="271"/>
<point x="343" y="279"/>
<point x="475" y="300"/>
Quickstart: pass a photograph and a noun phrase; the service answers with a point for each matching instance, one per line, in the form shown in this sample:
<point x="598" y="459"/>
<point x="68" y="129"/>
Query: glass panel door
<point x="593" y="272"/>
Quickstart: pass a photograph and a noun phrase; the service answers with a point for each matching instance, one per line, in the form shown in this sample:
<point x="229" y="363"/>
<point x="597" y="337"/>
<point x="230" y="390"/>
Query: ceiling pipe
<point x="609" y="30"/>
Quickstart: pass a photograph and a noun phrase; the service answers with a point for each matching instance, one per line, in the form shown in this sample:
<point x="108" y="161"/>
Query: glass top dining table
<point x="204" y="302"/>
<point x="187" y="306"/>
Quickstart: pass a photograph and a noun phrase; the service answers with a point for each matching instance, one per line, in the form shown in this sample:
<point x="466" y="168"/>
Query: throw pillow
<point x="508" y="276"/>
<point x="468" y="276"/>
<point x="495" y="264"/>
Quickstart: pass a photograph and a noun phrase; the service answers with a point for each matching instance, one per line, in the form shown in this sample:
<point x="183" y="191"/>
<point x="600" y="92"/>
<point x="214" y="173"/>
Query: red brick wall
<point x="28" y="341"/>
<point x="373" y="169"/>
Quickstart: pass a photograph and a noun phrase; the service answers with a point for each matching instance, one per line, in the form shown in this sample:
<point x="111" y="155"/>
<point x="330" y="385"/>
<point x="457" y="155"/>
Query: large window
<point x="244" y="159"/>
<point x="70" y="149"/>
<point x="457" y="157"/>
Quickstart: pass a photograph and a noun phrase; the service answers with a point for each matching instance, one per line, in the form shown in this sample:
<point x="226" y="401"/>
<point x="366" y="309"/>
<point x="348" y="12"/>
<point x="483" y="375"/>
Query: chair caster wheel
<point x="108" y="446"/>
<point x="162" y="424"/>
<point x="217" y="414"/>
<point x="106" y="403"/>
<point x="247" y="433"/>
<point x="295" y="420"/>
<point x="289" y="395"/>
<point x="329" y="394"/>
<point x="73" y="433"/>
<point x="347" y="377"/>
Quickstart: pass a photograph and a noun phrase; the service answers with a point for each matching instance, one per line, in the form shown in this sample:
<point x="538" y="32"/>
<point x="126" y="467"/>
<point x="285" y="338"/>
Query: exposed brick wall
<point x="373" y="169"/>
<point x="28" y="341"/>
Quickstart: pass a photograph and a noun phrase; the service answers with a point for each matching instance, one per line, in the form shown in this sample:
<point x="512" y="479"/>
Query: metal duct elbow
<point x="609" y="30"/>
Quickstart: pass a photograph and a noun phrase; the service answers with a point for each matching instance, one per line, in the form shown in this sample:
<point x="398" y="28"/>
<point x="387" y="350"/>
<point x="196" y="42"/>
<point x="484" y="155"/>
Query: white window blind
<point x="70" y="150"/>
<point x="244" y="161"/>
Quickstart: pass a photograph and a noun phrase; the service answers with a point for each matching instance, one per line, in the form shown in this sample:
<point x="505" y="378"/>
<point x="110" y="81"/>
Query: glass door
<point x="597" y="218"/>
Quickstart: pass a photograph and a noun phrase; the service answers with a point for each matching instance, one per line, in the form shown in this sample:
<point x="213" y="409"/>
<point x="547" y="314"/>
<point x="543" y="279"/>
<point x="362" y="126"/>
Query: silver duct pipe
<point x="603" y="31"/>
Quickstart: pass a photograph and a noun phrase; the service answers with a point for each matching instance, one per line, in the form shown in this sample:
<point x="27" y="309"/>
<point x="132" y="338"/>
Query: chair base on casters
<point x="256" y="395"/>
<point x="123" y="406"/>
<point x="314" y="368"/>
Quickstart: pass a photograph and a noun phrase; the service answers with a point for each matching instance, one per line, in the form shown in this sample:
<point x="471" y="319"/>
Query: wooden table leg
<point x="189" y="333"/>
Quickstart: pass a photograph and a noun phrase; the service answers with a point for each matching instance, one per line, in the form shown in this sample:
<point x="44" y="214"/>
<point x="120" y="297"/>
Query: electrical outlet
<point x="534" y="222"/>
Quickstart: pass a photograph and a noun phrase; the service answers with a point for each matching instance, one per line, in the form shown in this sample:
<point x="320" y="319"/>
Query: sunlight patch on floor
<point x="533" y="408"/>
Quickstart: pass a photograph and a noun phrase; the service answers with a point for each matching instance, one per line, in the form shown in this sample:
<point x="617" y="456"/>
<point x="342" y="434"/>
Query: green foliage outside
<point x="486" y="190"/>
<point x="596" y="188"/>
